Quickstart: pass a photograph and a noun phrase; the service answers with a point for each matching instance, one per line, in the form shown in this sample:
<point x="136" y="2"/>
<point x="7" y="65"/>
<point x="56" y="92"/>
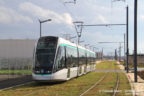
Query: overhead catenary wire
<point x="74" y="18"/>
<point x="74" y="2"/>
<point x="64" y="4"/>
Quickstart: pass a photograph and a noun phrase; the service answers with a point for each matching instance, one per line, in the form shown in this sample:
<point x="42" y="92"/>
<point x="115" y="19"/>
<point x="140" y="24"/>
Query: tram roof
<point x="63" y="41"/>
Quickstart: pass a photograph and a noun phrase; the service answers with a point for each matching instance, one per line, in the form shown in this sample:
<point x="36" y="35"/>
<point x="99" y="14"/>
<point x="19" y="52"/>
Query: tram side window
<point x="67" y="57"/>
<point x="89" y="59"/>
<point x="82" y="57"/>
<point x="75" y="59"/>
<point x="94" y="58"/>
<point x="86" y="61"/>
<point x="60" y="60"/>
<point x="71" y="57"/>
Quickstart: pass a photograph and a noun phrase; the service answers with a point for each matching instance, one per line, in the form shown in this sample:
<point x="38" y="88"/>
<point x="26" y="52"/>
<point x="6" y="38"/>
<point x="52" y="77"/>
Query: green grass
<point x="16" y="72"/>
<point x="107" y="65"/>
<point x="73" y="87"/>
<point x="76" y="86"/>
<point x="122" y="62"/>
<point x="124" y="86"/>
<point x="105" y="87"/>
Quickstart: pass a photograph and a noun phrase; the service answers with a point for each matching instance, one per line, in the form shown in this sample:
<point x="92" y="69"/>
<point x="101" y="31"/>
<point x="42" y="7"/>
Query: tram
<point x="57" y="59"/>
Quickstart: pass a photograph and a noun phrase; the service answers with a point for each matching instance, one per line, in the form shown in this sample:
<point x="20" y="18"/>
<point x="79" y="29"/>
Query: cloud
<point x="142" y="17"/>
<point x="99" y="19"/>
<point x="103" y="12"/>
<point x="102" y="37"/>
<point x="1" y="1"/>
<point x="45" y="13"/>
<point x="9" y="16"/>
<point x="102" y="19"/>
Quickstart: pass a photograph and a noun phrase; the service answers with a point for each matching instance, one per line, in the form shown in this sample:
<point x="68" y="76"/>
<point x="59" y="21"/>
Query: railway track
<point x="101" y="79"/>
<point x="94" y="85"/>
<point x="115" y="90"/>
<point x="117" y="85"/>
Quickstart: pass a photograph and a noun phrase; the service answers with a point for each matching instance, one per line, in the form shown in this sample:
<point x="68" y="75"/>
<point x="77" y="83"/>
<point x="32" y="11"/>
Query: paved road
<point x="15" y="81"/>
<point x="138" y="69"/>
<point x="7" y="76"/>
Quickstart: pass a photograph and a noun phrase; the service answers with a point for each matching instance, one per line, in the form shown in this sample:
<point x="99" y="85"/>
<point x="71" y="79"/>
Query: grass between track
<point x="107" y="65"/>
<point x="76" y="86"/>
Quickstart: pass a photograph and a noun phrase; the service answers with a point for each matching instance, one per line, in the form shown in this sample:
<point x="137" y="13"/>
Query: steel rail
<point x="117" y="85"/>
<point x="94" y="85"/>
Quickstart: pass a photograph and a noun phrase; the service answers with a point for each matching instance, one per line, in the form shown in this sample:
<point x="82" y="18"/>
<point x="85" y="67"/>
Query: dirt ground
<point x="141" y="74"/>
<point x="137" y="87"/>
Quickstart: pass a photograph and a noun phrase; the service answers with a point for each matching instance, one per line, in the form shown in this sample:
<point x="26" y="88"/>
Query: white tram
<point x="56" y="59"/>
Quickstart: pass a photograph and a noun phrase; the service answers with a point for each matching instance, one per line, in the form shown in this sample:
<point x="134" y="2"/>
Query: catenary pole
<point x="124" y="52"/>
<point x="127" y="39"/>
<point x="135" y="40"/>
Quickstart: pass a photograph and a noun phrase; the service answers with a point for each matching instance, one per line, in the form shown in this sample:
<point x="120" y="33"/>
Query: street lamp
<point x="43" y="22"/>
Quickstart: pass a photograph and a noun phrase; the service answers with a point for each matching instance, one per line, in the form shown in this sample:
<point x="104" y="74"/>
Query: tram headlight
<point x="48" y="71"/>
<point x="37" y="71"/>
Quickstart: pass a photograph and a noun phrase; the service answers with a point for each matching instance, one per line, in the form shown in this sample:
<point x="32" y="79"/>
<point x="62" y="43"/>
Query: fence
<point x="16" y="58"/>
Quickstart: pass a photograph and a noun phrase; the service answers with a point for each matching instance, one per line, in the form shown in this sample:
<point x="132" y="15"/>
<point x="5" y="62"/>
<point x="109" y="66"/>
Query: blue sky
<point x="19" y="20"/>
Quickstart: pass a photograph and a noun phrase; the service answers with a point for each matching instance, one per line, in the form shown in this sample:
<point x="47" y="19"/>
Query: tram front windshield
<point x="45" y="53"/>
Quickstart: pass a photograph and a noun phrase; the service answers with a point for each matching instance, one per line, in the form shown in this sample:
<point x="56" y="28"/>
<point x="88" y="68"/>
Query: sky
<point x="19" y="19"/>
